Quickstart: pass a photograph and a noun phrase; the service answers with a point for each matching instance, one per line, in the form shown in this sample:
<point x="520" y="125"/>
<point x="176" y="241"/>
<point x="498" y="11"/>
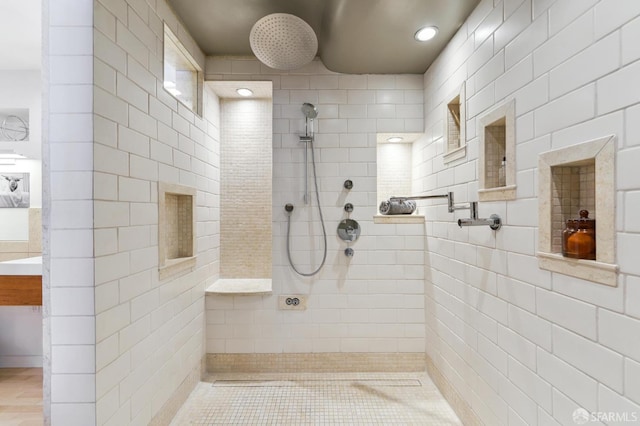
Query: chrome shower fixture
<point x="309" y="110"/>
<point x="494" y="220"/>
<point x="283" y="41"/>
<point x="310" y="113"/>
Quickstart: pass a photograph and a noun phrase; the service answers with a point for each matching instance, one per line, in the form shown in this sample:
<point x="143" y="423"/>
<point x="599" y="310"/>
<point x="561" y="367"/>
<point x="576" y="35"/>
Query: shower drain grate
<point x="317" y="383"/>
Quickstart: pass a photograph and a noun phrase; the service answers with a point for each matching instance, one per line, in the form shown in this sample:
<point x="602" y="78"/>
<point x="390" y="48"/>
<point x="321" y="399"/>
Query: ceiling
<point x="20" y="34"/>
<point x="227" y="89"/>
<point x="354" y="36"/>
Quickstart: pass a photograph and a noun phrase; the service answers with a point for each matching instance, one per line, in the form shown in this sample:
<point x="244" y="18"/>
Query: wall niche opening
<point x="394" y="173"/>
<point x="454" y="126"/>
<point x="578" y="177"/>
<point x="176" y="228"/>
<point x="179" y="228"/>
<point x="573" y="189"/>
<point x="495" y="144"/>
<point x="246" y="187"/>
<point x="497" y="154"/>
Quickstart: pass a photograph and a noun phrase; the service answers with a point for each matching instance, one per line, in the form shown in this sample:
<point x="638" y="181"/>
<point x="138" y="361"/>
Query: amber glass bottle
<point x="579" y="237"/>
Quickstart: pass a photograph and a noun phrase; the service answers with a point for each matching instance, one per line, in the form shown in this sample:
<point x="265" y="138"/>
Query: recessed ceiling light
<point x="426" y="33"/>
<point x="395" y="139"/>
<point x="244" y="92"/>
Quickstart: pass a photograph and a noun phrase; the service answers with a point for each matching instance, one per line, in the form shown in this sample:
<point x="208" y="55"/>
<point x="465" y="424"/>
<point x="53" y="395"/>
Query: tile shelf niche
<point x="455" y="118"/>
<point x="497" y="142"/>
<point x="176" y="229"/>
<point x="246" y="189"/>
<point x="573" y="178"/>
<point x="394" y="164"/>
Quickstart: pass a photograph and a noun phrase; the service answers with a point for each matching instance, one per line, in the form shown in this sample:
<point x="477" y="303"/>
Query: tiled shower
<point x="506" y="341"/>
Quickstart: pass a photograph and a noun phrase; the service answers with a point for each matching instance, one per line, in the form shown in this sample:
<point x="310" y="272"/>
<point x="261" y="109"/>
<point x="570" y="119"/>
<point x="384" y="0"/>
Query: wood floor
<point x="21" y="397"/>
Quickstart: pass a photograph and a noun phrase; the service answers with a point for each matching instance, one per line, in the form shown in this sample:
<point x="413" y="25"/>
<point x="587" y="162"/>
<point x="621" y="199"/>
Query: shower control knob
<point x="288" y="207"/>
<point x="348" y="184"/>
<point x="348" y="207"/>
<point x="348" y="252"/>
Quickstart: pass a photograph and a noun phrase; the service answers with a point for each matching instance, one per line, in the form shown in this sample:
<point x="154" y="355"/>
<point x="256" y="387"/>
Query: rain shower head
<point x="309" y="110"/>
<point x="283" y="41"/>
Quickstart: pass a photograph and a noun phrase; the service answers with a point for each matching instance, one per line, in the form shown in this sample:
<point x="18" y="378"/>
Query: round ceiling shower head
<point x="283" y="41"/>
<point x="309" y="110"/>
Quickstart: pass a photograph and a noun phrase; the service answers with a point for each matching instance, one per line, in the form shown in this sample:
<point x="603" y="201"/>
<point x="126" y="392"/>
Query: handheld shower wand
<point x="310" y="113"/>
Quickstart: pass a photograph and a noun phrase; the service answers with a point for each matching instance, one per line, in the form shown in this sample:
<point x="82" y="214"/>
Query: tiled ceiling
<point x="354" y="36"/>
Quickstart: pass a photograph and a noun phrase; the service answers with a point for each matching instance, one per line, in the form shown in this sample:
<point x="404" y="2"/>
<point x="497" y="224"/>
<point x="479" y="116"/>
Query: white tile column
<point x="69" y="317"/>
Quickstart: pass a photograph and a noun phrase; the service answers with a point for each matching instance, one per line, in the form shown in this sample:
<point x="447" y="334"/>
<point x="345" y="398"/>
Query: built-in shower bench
<point x="240" y="286"/>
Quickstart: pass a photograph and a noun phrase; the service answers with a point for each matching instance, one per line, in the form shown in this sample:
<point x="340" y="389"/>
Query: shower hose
<point x="324" y="231"/>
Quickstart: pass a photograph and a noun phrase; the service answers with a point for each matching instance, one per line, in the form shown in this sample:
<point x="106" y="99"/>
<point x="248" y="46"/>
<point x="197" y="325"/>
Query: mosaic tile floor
<point x="316" y="399"/>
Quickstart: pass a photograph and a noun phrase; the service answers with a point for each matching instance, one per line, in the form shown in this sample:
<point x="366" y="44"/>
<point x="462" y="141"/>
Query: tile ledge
<point x="398" y="218"/>
<point x="455" y="154"/>
<point x="240" y="286"/>
<point x="497" y="189"/>
<point x="500" y="193"/>
<point x="590" y="270"/>
<point x="173" y="267"/>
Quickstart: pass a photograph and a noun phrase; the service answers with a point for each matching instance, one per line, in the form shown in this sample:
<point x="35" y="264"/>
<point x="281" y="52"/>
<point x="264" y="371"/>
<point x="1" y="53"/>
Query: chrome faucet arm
<point x="449" y="196"/>
<point x="493" y="221"/>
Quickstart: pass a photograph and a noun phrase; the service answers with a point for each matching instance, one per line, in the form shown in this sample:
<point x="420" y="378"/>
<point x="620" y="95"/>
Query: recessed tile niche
<point x="497" y="154"/>
<point x="246" y="188"/>
<point x="579" y="177"/>
<point x="176" y="228"/>
<point x="573" y="189"/>
<point x="394" y="173"/>
<point x="455" y="143"/>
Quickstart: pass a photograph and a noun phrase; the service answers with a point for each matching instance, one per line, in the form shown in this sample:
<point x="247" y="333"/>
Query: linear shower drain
<point x="318" y="383"/>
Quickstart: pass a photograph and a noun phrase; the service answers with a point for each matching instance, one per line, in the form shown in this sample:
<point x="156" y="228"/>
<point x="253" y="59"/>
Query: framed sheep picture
<point x="14" y="190"/>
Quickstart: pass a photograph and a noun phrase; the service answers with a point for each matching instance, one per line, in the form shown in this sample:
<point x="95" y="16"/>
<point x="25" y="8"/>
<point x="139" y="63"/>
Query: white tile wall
<point x="108" y="344"/>
<point x="144" y="136"/>
<point x="362" y="304"/>
<point x="540" y="46"/>
<point x="570" y="65"/>
<point x="67" y="149"/>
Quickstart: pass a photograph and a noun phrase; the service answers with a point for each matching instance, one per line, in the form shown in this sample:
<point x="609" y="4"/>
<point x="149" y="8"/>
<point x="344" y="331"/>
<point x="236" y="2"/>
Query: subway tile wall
<point x="373" y="302"/>
<point x="522" y="345"/>
<point x="69" y="328"/>
<point x="149" y="333"/>
<point x="137" y="343"/>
